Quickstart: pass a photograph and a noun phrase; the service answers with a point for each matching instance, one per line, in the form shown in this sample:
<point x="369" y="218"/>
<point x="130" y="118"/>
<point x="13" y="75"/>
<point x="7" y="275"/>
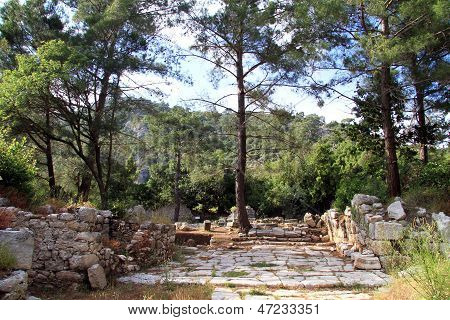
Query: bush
<point x="7" y="259"/>
<point x="17" y="166"/>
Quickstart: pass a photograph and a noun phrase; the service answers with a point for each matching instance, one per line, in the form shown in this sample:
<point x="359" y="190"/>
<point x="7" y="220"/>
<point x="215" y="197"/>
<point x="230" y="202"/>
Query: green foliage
<point x="17" y="165"/>
<point x="7" y="259"/>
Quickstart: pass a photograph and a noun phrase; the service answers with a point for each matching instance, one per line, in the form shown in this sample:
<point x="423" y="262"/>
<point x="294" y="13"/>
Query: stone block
<point x="367" y="263"/>
<point x="88" y="215"/>
<point x="207" y="225"/>
<point x="14" y="287"/>
<point x="83" y="262"/>
<point x="380" y="247"/>
<point x="21" y="244"/>
<point x="385" y="230"/>
<point x="443" y="224"/>
<point x="97" y="277"/>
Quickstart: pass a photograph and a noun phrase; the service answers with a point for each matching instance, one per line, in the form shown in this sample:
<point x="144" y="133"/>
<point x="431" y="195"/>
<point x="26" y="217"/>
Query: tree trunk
<point x="177" y="196"/>
<point x="50" y="169"/>
<point x="95" y="133"/>
<point x="420" y="111"/>
<point x="393" y="176"/>
<point x="84" y="188"/>
<point x="49" y="157"/>
<point x="244" y="224"/>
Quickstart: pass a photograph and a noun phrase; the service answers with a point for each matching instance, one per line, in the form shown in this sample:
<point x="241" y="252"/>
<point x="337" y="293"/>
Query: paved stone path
<point x="292" y="268"/>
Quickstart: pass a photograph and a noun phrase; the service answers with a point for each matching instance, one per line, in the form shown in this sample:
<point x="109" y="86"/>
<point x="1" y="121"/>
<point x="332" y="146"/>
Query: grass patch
<point x="398" y="289"/>
<point x="263" y="264"/>
<point x="7" y="259"/>
<point x="257" y="292"/>
<point x="160" y="219"/>
<point x="230" y="285"/>
<point x="214" y="272"/>
<point x="161" y="291"/>
<point x="235" y="274"/>
<point x="423" y="267"/>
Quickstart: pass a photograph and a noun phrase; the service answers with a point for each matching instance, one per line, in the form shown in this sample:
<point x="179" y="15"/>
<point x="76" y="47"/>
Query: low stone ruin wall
<point x="368" y="231"/>
<point x="74" y="247"/>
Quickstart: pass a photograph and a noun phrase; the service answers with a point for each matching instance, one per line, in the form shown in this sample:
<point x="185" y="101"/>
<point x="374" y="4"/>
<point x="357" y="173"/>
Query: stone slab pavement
<point x="299" y="268"/>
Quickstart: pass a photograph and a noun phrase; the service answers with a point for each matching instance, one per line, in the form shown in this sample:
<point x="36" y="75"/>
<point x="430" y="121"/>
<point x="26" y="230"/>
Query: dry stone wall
<point x="368" y="231"/>
<point x="73" y="247"/>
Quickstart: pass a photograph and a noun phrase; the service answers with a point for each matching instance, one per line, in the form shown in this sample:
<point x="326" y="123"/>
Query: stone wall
<point x="368" y="231"/>
<point x="73" y="247"/>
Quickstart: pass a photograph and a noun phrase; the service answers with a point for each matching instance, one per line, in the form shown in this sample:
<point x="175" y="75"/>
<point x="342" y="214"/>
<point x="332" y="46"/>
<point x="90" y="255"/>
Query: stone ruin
<point x="278" y="229"/>
<point x="367" y="231"/>
<point x="232" y="219"/>
<point x="80" y="246"/>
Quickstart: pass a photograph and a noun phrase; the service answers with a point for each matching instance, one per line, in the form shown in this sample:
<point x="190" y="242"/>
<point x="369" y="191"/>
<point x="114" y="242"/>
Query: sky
<point x="178" y="93"/>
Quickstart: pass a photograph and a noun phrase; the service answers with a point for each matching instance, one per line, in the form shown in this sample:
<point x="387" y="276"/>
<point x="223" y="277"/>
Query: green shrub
<point x="427" y="270"/>
<point x="17" y="166"/>
<point x="7" y="259"/>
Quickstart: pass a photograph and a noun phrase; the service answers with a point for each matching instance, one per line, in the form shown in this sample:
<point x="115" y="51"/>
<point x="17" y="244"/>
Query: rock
<point x="396" y="211"/>
<point x="185" y="227"/>
<point x="105" y="213"/>
<point x="367" y="263"/>
<point x="365" y="208"/>
<point x="377" y="205"/>
<point x="207" y="225"/>
<point x="380" y="247"/>
<point x="21" y="244"/>
<point x="443" y="224"/>
<point x="326" y="238"/>
<point x="83" y="262"/>
<point x="66" y="216"/>
<point x="374" y="219"/>
<point x="360" y="199"/>
<point x="385" y="230"/>
<point x="4" y="202"/>
<point x="88" y="236"/>
<point x="97" y="277"/>
<point x="69" y="276"/>
<point x="14" y="286"/>
<point x="421" y="212"/>
<point x="309" y="220"/>
<point x="88" y="215"/>
<point x="137" y="214"/>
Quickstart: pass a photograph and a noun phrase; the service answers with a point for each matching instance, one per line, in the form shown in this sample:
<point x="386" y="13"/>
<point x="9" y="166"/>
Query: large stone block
<point x="385" y="230"/>
<point x="21" y="244"/>
<point x="380" y="247"/>
<point x="443" y="224"/>
<point x="14" y="286"/>
<point x="367" y="263"/>
<point x="97" y="277"/>
<point x="83" y="262"/>
<point x="87" y="214"/>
